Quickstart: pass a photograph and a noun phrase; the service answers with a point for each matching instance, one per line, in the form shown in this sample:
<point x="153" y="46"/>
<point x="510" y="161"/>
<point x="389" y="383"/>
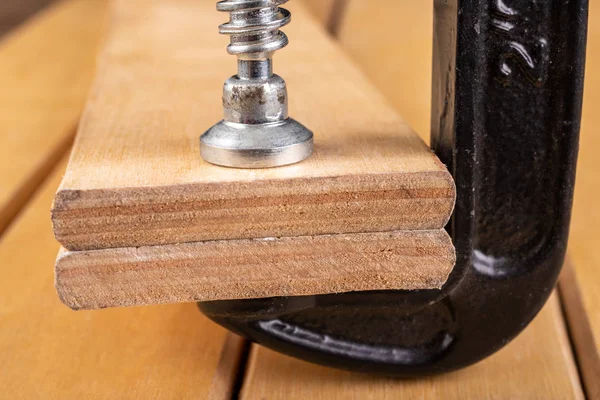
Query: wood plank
<point x="46" y="69"/>
<point x="584" y="311"/>
<point x="537" y="365"/>
<point x="136" y="178"/>
<point x="249" y="269"/>
<point x="398" y="63"/>
<point x="580" y="331"/>
<point x="51" y="352"/>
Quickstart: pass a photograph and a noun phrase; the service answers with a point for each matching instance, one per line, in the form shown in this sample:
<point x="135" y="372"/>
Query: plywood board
<point x="537" y="365"/>
<point x="246" y="269"/>
<point x="46" y="69"/>
<point x="136" y="177"/>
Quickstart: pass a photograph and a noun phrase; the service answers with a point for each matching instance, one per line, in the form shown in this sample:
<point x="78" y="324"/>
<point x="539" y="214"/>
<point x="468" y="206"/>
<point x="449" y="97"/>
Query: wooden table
<point x="49" y="351"/>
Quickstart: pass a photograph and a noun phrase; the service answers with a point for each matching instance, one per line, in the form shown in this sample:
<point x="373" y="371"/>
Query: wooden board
<point x="246" y="269"/>
<point x="537" y="365"/>
<point x="584" y="311"/>
<point x="582" y="335"/>
<point x="51" y="352"/>
<point x="391" y="41"/>
<point x="136" y="178"/>
<point x="46" y="69"/>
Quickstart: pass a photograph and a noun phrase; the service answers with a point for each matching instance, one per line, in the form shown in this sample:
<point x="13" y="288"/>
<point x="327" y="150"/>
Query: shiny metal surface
<point x="256" y="131"/>
<point x="256" y="146"/>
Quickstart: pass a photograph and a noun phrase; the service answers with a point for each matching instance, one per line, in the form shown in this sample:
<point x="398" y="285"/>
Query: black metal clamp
<point x="508" y="85"/>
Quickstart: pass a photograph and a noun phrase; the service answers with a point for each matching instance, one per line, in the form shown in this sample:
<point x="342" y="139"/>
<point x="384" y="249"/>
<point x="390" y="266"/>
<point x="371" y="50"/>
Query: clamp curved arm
<point x="508" y="83"/>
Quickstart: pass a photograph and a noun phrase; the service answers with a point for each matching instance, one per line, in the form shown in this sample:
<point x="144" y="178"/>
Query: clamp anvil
<point x="508" y="83"/>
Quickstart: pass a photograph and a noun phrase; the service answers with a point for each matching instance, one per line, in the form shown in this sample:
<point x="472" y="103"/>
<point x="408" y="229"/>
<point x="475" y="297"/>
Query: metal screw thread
<point x="254" y="27"/>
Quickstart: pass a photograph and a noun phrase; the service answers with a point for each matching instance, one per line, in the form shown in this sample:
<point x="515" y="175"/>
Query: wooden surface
<point x="14" y="12"/>
<point x="51" y="352"/>
<point x="582" y="335"/>
<point x="136" y="178"/>
<point x="45" y="74"/>
<point x="321" y="9"/>
<point x="391" y="42"/>
<point x="354" y="188"/>
<point x="259" y="268"/>
<point x="48" y="351"/>
<point x="537" y="365"/>
<point x="329" y="13"/>
<point x="585" y="223"/>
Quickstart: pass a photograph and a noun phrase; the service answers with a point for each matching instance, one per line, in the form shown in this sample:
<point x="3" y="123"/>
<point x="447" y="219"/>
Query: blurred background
<point x="364" y="29"/>
<point x="13" y="12"/>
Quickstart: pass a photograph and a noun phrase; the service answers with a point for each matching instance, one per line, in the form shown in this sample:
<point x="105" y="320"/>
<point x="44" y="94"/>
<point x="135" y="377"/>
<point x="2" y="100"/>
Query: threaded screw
<point x="256" y="131"/>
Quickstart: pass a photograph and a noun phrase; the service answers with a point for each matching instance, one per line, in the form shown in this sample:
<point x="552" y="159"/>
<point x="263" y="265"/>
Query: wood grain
<point x="51" y="352"/>
<point x="248" y="269"/>
<point x="136" y="178"/>
<point x="46" y="69"/>
<point x="391" y="41"/>
<point x="537" y="365"/>
<point x="580" y="331"/>
<point x="585" y="234"/>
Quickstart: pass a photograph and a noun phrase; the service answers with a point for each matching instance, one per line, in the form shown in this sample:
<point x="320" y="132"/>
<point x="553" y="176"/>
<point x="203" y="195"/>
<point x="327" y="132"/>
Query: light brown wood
<point x="329" y="13"/>
<point x="229" y="369"/>
<point x="537" y="365"/>
<point x="321" y="10"/>
<point x="46" y="69"/>
<point x="136" y="178"/>
<point x="581" y="333"/>
<point x="246" y="269"/>
<point x="585" y="233"/>
<point x="391" y="41"/>
<point x="14" y="12"/>
<point x="51" y="352"/>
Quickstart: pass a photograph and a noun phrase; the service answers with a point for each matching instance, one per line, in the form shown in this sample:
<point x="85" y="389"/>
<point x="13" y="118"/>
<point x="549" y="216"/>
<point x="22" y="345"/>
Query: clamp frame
<point x="507" y="98"/>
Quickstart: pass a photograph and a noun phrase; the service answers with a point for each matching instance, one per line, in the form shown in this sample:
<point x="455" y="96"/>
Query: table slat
<point x="51" y="352"/>
<point x="46" y="69"/>
<point x="537" y="365"/>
